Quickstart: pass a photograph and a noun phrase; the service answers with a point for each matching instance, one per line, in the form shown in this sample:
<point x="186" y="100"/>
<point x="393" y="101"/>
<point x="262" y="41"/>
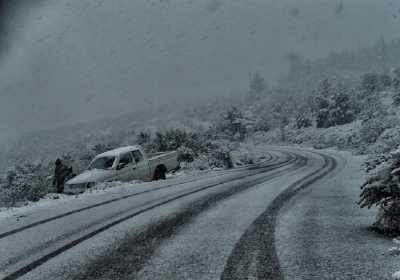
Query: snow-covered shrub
<point x="382" y="189"/>
<point x="217" y="157"/>
<point x="371" y="106"/>
<point x="385" y="81"/>
<point x="373" y="161"/>
<point x="262" y="125"/>
<point x="186" y="154"/>
<point x="342" y="137"/>
<point x="371" y="129"/>
<point x="396" y="96"/>
<point x="390" y="138"/>
<point x="232" y="125"/>
<point x="395" y="251"/>
<point x="303" y="135"/>
<point x="197" y="142"/>
<point x="333" y="106"/>
<point x="28" y="182"/>
<point x="303" y="120"/>
<point x="195" y="149"/>
<point x="370" y="83"/>
<point x="396" y="86"/>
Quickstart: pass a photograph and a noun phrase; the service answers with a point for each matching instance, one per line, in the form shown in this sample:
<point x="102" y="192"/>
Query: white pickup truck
<point x="124" y="164"/>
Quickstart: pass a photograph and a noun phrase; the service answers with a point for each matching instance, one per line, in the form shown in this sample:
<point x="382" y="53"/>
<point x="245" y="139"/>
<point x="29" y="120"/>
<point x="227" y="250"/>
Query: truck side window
<point x="125" y="159"/>
<point x="137" y="155"/>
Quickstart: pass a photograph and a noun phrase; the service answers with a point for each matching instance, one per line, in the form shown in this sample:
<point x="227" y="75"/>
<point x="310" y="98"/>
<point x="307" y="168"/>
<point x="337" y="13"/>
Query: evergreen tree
<point x="333" y="106"/>
<point x="322" y="104"/>
<point x="303" y="118"/>
<point x="232" y="124"/>
<point x="280" y="114"/>
<point x="343" y="109"/>
<point x="382" y="189"/>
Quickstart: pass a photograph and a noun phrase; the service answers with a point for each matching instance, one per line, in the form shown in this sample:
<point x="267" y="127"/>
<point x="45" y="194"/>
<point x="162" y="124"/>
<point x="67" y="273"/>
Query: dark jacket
<point x="60" y="173"/>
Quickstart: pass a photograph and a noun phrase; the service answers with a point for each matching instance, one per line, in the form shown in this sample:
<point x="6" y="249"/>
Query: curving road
<point x="219" y="226"/>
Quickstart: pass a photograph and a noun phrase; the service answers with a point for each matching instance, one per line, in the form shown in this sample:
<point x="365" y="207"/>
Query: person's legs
<point x="60" y="188"/>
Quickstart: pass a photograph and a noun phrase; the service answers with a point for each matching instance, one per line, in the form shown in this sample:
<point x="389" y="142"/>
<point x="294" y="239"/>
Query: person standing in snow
<point x="61" y="172"/>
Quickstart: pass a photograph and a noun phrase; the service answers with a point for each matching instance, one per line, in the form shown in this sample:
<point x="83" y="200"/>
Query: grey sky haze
<point x="66" y="61"/>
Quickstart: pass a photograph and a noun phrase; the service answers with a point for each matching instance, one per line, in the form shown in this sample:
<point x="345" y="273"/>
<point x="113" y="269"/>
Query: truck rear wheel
<point x="160" y="173"/>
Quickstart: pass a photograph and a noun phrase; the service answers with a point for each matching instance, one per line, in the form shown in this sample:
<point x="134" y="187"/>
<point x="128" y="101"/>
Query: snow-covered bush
<point x="396" y="96"/>
<point x="218" y="156"/>
<point x="396" y="86"/>
<point x="281" y="113"/>
<point x="333" y="106"/>
<point x="343" y="137"/>
<point x="395" y="251"/>
<point x="28" y="182"/>
<point x="303" y="119"/>
<point x="200" y="149"/>
<point x="174" y="139"/>
<point x="382" y="189"/>
<point x="390" y="138"/>
<point x="370" y="83"/>
<point x="371" y="129"/>
<point x="232" y="125"/>
<point x="186" y="154"/>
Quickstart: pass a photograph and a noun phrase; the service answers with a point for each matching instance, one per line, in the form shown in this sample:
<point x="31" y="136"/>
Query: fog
<point x="68" y="61"/>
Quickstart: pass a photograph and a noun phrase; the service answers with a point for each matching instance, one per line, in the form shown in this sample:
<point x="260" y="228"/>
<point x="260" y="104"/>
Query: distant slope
<point x="345" y="65"/>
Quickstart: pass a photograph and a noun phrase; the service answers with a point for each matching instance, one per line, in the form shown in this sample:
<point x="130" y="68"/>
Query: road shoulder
<point x="323" y="234"/>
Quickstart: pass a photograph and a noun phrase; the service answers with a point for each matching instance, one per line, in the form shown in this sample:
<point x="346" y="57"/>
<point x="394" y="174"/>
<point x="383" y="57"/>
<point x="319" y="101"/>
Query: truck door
<point x="142" y="167"/>
<point x="126" y="167"/>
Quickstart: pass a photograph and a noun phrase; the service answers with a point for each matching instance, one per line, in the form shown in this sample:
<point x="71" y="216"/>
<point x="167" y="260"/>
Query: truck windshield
<point x="102" y="163"/>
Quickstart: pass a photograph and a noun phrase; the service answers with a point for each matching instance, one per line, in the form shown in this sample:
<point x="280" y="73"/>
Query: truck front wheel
<point x="160" y="172"/>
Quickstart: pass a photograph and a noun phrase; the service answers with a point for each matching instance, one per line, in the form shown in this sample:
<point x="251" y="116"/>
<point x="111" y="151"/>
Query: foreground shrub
<point x="28" y="182"/>
<point x="382" y="189"/>
<point x="333" y="105"/>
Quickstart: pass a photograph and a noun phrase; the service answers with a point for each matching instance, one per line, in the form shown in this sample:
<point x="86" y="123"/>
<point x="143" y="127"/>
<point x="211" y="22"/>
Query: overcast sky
<point x="64" y="61"/>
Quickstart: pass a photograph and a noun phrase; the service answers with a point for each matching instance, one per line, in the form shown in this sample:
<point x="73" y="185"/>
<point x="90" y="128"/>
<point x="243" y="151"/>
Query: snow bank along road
<point x="219" y="226"/>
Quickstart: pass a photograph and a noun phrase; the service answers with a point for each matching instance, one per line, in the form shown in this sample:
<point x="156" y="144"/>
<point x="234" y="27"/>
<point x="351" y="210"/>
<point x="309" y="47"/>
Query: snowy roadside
<point x="323" y="234"/>
<point x="99" y="192"/>
<point x="244" y="155"/>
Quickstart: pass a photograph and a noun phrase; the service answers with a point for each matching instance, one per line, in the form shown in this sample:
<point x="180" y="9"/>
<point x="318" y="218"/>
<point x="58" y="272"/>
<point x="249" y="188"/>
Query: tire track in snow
<point x="254" y="256"/>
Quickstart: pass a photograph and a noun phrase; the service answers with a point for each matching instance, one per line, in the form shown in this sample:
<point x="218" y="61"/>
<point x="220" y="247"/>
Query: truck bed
<point x="169" y="159"/>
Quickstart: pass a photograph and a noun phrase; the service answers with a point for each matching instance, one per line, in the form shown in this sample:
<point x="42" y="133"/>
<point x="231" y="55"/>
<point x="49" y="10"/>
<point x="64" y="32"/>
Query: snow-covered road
<point x="225" y="224"/>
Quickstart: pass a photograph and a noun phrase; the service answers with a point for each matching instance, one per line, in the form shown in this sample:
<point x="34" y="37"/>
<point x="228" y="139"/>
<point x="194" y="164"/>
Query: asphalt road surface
<point x="255" y="222"/>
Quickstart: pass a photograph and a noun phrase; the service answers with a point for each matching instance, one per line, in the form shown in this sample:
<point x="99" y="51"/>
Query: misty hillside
<point x="345" y="66"/>
<point x="52" y="143"/>
<point x="302" y="80"/>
